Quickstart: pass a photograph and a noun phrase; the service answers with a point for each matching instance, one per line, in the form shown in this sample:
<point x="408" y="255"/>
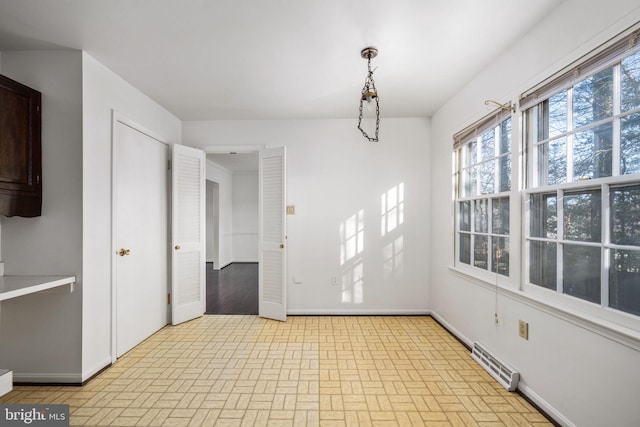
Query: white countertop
<point x="16" y="286"/>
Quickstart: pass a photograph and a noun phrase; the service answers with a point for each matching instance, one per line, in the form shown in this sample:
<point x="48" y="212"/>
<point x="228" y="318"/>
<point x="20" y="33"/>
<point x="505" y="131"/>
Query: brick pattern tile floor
<point x="309" y="371"/>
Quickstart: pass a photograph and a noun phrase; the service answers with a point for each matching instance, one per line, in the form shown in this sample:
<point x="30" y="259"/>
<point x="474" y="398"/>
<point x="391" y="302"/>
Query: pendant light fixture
<point x="369" y="96"/>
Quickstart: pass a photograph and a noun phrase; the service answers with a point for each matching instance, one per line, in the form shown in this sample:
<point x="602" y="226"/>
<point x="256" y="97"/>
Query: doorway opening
<point x="232" y="233"/>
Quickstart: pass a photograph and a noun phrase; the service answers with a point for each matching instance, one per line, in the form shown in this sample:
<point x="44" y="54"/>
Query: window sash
<point x="481" y="126"/>
<point x="589" y="64"/>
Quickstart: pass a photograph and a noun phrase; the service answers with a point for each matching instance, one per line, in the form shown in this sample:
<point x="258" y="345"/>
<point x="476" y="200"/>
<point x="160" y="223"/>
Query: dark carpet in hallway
<point x="232" y="289"/>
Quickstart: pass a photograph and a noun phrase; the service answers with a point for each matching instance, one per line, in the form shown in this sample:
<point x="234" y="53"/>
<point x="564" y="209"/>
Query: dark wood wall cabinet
<point x="20" y="150"/>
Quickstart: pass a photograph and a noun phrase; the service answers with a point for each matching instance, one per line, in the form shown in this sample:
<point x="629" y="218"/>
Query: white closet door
<point x="140" y="225"/>
<point x="188" y="299"/>
<point x="272" y="301"/>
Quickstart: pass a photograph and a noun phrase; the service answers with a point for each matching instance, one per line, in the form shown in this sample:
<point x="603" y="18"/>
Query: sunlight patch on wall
<point x="353" y="284"/>
<point x="351" y="248"/>
<point x="352" y="237"/>
<point x="392" y="209"/>
<point x="392" y="253"/>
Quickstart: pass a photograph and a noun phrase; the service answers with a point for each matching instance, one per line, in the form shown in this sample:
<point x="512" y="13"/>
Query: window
<point x="483" y="184"/>
<point x="583" y="183"/>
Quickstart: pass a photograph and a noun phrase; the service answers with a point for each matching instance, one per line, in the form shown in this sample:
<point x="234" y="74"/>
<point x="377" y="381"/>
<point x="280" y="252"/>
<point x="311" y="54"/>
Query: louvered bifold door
<point x="272" y="253"/>
<point x="188" y="299"/>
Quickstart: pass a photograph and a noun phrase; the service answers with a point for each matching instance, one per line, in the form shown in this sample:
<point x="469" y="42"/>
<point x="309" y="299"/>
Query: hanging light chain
<point x="369" y="87"/>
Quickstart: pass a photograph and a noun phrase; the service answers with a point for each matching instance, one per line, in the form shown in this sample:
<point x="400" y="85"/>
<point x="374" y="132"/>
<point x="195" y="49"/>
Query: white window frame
<point x="609" y="56"/>
<point x="472" y="133"/>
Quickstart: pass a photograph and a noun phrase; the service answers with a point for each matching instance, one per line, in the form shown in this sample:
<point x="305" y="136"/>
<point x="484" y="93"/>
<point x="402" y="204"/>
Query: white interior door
<point x="140" y="227"/>
<point x="188" y="299"/>
<point x="272" y="302"/>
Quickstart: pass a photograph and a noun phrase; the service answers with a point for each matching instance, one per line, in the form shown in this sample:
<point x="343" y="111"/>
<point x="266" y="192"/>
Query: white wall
<point x="334" y="174"/>
<point x="245" y="216"/>
<point x="104" y="91"/>
<point x="211" y="221"/>
<point x="568" y="367"/>
<point x="41" y="333"/>
<point x="224" y="179"/>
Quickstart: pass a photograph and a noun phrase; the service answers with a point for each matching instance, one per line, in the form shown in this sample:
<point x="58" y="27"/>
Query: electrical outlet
<point x="334" y="281"/>
<point x="523" y="329"/>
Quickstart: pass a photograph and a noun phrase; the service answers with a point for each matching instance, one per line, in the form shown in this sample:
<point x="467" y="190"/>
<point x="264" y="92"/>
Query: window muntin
<point x="583" y="234"/>
<point x="483" y="171"/>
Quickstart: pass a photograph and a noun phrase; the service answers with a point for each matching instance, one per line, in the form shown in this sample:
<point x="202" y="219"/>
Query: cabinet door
<point x="20" y="150"/>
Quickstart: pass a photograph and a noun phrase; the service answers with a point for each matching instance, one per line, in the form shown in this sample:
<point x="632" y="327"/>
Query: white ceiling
<point x="279" y="59"/>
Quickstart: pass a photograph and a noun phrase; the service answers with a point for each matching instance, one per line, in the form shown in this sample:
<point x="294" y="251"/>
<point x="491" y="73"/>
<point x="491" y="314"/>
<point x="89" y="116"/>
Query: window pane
<point x="593" y="98"/>
<point x="624" y="281"/>
<point x="552" y="166"/>
<point x="505" y="173"/>
<point x="487" y="176"/>
<point x="543" y="264"/>
<point x="500" y="255"/>
<point x="481" y="216"/>
<point x="543" y="215"/>
<point x="625" y="215"/>
<point x="488" y="145"/>
<point x="581" y="276"/>
<point x="465" y="216"/>
<point x="465" y="248"/>
<point x="582" y="216"/>
<point x="480" y="246"/>
<point x="542" y="120"/>
<point x="630" y="79"/>
<point x="500" y="216"/>
<point x="630" y="143"/>
<point x="473" y="152"/>
<point x="505" y="136"/>
<point x="592" y="152"/>
<point x="557" y="114"/>
<point x="471" y="181"/>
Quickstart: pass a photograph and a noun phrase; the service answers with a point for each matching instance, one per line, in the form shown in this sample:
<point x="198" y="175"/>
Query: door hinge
<point x="168" y="299"/>
<point x="169" y="164"/>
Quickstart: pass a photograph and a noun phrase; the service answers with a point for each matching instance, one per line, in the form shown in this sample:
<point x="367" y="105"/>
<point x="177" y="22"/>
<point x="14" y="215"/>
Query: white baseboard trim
<point x="37" y="377"/>
<point x="522" y="387"/>
<point x="96" y="368"/>
<point x="451" y="329"/>
<point x="542" y="404"/>
<point x="357" y="312"/>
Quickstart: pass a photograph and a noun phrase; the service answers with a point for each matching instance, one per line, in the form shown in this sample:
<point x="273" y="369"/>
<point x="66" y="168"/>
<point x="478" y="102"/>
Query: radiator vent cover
<point x="503" y="373"/>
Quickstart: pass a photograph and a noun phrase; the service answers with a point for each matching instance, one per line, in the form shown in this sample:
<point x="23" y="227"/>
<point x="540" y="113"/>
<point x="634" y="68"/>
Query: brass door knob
<point x="281" y="246"/>
<point x="123" y="252"/>
<point x="177" y="247"/>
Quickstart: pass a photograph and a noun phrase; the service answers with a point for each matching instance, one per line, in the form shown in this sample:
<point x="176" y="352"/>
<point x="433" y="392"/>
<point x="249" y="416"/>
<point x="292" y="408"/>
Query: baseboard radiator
<point x="503" y="373"/>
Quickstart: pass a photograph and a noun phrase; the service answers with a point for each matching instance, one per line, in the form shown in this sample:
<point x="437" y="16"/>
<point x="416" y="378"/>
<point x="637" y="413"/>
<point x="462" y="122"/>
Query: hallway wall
<point x="245" y="216"/>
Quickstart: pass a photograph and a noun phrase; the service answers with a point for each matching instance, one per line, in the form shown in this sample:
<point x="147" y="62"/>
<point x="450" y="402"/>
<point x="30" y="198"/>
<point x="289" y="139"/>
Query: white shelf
<point x="17" y="286"/>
